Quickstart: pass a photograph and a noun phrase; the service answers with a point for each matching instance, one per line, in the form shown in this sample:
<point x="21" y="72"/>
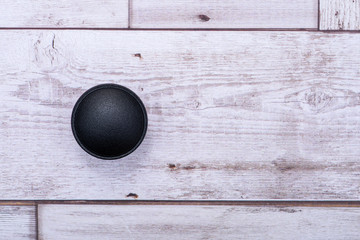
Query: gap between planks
<point x="287" y="203"/>
<point x="318" y="16"/>
<point x="174" y="29"/>
<point x="129" y="13"/>
<point x="193" y="29"/>
<point x="37" y="221"/>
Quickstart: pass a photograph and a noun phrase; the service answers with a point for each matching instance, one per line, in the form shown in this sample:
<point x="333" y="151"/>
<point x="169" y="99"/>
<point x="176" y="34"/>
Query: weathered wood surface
<point x="17" y="222"/>
<point x="224" y="14"/>
<point x="197" y="222"/>
<point x="236" y="115"/>
<point x="339" y="14"/>
<point x="64" y="14"/>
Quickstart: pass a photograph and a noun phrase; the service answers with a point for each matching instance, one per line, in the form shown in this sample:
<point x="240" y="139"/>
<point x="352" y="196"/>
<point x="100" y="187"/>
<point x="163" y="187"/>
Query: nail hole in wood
<point x="172" y="166"/>
<point x="133" y="195"/>
<point x="138" y="55"/>
<point x="204" y="18"/>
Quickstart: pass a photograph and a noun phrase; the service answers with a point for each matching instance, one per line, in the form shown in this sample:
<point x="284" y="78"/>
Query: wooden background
<point x="253" y="110"/>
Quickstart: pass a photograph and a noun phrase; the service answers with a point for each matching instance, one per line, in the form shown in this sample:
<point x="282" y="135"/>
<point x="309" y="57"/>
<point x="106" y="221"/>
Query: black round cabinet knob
<point x="109" y="121"/>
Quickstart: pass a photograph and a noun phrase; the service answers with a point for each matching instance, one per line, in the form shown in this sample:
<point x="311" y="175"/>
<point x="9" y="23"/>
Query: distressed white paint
<point x="224" y="14"/>
<point x="196" y="222"/>
<point x="339" y="14"/>
<point x="17" y="222"/>
<point x="64" y="14"/>
<point x="253" y="115"/>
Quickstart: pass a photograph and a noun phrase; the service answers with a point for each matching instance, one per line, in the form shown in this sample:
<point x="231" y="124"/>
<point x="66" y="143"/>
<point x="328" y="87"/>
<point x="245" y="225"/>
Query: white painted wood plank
<point x="224" y="14"/>
<point x="64" y="14"/>
<point x="17" y="222"/>
<point x="339" y="14"/>
<point x="196" y="222"/>
<point x="253" y="115"/>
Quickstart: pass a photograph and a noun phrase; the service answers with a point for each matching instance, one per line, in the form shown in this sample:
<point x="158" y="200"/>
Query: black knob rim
<point x="89" y="92"/>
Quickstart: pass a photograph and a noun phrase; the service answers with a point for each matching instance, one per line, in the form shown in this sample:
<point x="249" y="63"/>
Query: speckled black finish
<point x="109" y="121"/>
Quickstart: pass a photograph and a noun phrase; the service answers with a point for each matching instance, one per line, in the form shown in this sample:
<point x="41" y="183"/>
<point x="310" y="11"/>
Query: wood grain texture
<point x="224" y="14"/>
<point x="236" y="115"/>
<point x="197" y="222"/>
<point x="64" y="14"/>
<point x="17" y="222"/>
<point x="339" y="14"/>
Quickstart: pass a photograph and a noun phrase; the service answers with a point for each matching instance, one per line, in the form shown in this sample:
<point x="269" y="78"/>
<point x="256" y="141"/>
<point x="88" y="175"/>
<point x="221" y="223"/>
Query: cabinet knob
<point x="109" y="121"/>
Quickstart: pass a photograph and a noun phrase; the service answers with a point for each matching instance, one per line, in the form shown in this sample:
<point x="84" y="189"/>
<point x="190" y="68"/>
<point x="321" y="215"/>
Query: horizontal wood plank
<point x="224" y="14"/>
<point x="17" y="222"/>
<point x="236" y="115"/>
<point x="197" y="222"/>
<point x="64" y="14"/>
<point x="339" y="14"/>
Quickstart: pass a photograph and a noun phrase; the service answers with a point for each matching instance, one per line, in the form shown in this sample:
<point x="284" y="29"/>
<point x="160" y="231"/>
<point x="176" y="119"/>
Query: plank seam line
<point x="188" y="29"/>
<point x="129" y="13"/>
<point x="284" y="203"/>
<point x="37" y="221"/>
<point x="163" y="29"/>
<point x="318" y="16"/>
